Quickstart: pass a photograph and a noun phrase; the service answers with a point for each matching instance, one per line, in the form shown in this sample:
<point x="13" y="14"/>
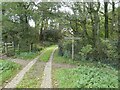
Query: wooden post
<point x="3" y="47"/>
<point x="30" y="47"/>
<point x="73" y="38"/>
<point x="72" y="48"/>
<point x="6" y="48"/>
<point x="19" y="48"/>
<point x="13" y="44"/>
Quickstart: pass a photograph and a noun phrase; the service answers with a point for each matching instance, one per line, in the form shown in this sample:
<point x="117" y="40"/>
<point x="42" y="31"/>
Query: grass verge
<point x="59" y="59"/>
<point x="86" y="75"/>
<point x="8" y="70"/>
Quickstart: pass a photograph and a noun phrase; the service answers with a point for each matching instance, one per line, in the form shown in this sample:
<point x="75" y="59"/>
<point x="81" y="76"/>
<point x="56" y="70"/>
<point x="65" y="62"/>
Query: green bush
<point x="47" y="43"/>
<point x="37" y="48"/>
<point x="67" y="48"/>
<point x="67" y="54"/>
<point x="110" y="48"/>
<point x="85" y="50"/>
<point x="27" y="55"/>
<point x="78" y="45"/>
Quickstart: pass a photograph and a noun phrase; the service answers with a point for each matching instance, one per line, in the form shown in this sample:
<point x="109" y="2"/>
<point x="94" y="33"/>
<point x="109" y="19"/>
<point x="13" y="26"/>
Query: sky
<point x="37" y="1"/>
<point x="32" y="23"/>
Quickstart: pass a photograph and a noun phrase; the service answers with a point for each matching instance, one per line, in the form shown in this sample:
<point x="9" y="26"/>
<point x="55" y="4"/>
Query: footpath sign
<point x="72" y="38"/>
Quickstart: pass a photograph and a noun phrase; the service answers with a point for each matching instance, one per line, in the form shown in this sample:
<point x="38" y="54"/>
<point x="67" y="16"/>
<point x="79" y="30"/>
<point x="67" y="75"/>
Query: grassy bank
<point x="8" y="70"/>
<point x="86" y="75"/>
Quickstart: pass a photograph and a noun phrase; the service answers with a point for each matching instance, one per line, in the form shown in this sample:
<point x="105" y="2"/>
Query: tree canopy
<point x="96" y="23"/>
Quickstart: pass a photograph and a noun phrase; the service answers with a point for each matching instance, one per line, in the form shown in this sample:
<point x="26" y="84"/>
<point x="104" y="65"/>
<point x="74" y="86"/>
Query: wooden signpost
<point x="72" y="38"/>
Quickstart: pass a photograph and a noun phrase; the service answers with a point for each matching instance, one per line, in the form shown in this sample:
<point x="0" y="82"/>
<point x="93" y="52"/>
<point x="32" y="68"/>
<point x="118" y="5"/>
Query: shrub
<point x="110" y="48"/>
<point x="65" y="48"/>
<point x="67" y="54"/>
<point x="27" y="55"/>
<point x="47" y="43"/>
<point x="85" y="50"/>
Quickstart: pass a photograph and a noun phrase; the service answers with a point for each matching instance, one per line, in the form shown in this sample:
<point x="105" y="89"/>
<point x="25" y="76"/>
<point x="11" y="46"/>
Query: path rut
<point x="47" y="81"/>
<point x="13" y="83"/>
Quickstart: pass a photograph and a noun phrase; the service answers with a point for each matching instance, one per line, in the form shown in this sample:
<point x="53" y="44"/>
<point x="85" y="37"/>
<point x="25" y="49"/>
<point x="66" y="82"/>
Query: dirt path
<point x="62" y="65"/>
<point x="13" y="83"/>
<point x="47" y="80"/>
<point x="34" y="76"/>
<point x="19" y="61"/>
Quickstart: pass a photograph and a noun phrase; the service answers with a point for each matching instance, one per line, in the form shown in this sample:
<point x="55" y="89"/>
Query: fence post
<point x="6" y="48"/>
<point x="18" y="48"/>
<point x="13" y="45"/>
<point x="30" y="47"/>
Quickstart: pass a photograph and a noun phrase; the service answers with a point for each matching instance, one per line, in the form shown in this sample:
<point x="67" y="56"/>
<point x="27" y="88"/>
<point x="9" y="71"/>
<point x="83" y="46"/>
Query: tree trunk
<point x="95" y="23"/>
<point x="84" y="22"/>
<point x="31" y="47"/>
<point x="113" y="17"/>
<point x="93" y="31"/>
<point x="106" y="19"/>
<point x="119" y="31"/>
<point x="41" y="32"/>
